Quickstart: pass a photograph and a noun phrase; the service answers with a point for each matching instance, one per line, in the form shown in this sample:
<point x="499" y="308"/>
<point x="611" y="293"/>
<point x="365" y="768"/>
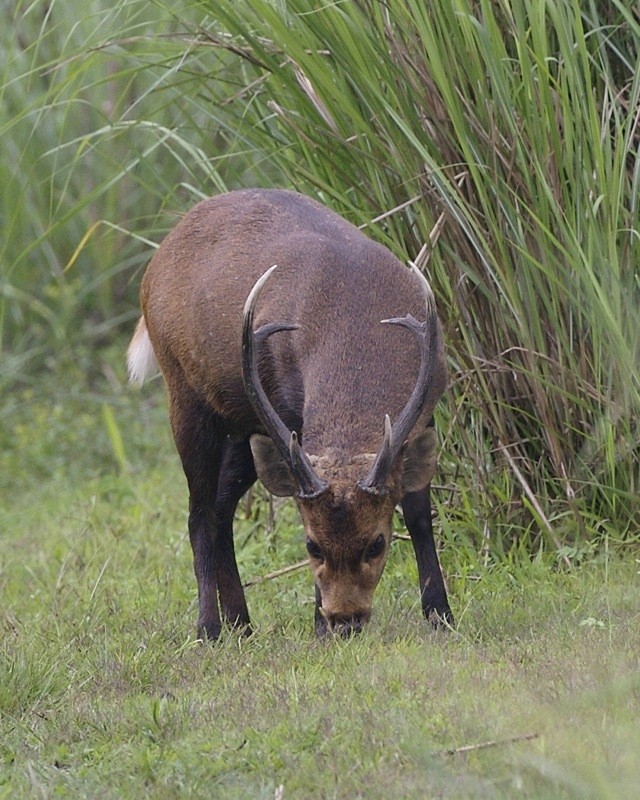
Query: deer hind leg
<point x="416" y="507"/>
<point x="199" y="436"/>
<point x="237" y="475"/>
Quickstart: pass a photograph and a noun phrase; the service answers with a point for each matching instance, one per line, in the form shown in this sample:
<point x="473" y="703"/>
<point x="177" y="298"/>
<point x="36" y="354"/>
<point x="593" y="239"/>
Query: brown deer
<point x="330" y="399"/>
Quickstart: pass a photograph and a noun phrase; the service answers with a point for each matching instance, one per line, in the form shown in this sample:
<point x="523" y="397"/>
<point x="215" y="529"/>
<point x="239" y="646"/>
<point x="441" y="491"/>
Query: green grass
<point x="117" y="117"/>
<point x="94" y="142"/>
<point x="534" y="273"/>
<point x="104" y="690"/>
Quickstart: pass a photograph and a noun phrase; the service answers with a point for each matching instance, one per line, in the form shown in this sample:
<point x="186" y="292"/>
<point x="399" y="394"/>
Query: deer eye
<point x="314" y="550"/>
<point x="376" y="548"/>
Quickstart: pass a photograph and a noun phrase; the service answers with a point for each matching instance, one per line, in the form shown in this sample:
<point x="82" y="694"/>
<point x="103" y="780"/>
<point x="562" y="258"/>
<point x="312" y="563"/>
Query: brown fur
<point x="332" y="380"/>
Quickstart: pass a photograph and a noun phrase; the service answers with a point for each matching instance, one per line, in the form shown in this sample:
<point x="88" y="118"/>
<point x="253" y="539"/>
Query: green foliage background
<point x="516" y="120"/>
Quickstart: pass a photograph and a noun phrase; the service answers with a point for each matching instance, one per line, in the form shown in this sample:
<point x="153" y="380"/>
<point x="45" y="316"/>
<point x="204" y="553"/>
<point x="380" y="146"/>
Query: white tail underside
<point x="141" y="360"/>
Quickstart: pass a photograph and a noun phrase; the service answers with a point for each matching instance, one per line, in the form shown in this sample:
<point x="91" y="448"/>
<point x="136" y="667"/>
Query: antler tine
<point x="285" y="440"/>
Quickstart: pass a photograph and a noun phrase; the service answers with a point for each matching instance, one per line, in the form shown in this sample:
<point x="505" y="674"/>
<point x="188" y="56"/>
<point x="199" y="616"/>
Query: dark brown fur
<point x="332" y="380"/>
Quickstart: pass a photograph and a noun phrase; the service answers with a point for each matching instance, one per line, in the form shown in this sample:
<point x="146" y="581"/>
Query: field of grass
<point x="509" y="126"/>
<point x="105" y="691"/>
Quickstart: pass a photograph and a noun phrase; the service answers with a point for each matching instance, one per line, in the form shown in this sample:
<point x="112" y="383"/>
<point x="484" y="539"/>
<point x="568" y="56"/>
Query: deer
<point x="297" y="350"/>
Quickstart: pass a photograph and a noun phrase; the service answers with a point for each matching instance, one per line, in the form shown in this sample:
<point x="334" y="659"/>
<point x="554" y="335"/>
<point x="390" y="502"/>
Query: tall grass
<point x="518" y="120"/>
<point x="95" y="141"/>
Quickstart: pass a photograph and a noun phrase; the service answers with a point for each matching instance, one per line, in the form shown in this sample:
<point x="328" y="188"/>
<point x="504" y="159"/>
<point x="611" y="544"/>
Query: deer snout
<point x="346" y="625"/>
<point x="343" y="601"/>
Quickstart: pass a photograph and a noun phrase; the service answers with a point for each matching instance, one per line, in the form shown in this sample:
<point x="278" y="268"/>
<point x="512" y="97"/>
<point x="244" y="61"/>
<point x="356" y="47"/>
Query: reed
<point x="518" y="120"/>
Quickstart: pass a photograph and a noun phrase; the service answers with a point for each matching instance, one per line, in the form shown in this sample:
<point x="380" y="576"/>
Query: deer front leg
<point x="416" y="507"/>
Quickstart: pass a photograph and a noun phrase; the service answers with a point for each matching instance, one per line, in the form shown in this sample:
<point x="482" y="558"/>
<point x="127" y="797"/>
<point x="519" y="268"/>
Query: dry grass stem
<point x="532" y="499"/>
<point x="276" y="573"/>
<point x="471" y="748"/>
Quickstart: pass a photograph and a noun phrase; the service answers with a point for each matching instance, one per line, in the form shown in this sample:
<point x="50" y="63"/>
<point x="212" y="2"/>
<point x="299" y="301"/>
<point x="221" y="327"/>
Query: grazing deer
<point x="330" y="399"/>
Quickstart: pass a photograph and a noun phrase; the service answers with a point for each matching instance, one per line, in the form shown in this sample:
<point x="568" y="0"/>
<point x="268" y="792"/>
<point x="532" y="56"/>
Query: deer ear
<point x="271" y="467"/>
<point x="419" y="461"/>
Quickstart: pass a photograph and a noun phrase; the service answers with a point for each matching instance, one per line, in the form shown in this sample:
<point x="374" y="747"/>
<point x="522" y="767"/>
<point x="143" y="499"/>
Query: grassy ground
<point x="117" y="116"/>
<point x="104" y="690"/>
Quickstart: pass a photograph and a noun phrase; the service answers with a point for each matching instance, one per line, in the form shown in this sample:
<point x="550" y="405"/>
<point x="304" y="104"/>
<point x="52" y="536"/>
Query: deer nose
<point x="346" y="626"/>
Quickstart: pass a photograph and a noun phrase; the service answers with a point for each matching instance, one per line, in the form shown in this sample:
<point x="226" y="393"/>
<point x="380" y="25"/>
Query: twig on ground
<point x="276" y="573"/>
<point x="470" y="748"/>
